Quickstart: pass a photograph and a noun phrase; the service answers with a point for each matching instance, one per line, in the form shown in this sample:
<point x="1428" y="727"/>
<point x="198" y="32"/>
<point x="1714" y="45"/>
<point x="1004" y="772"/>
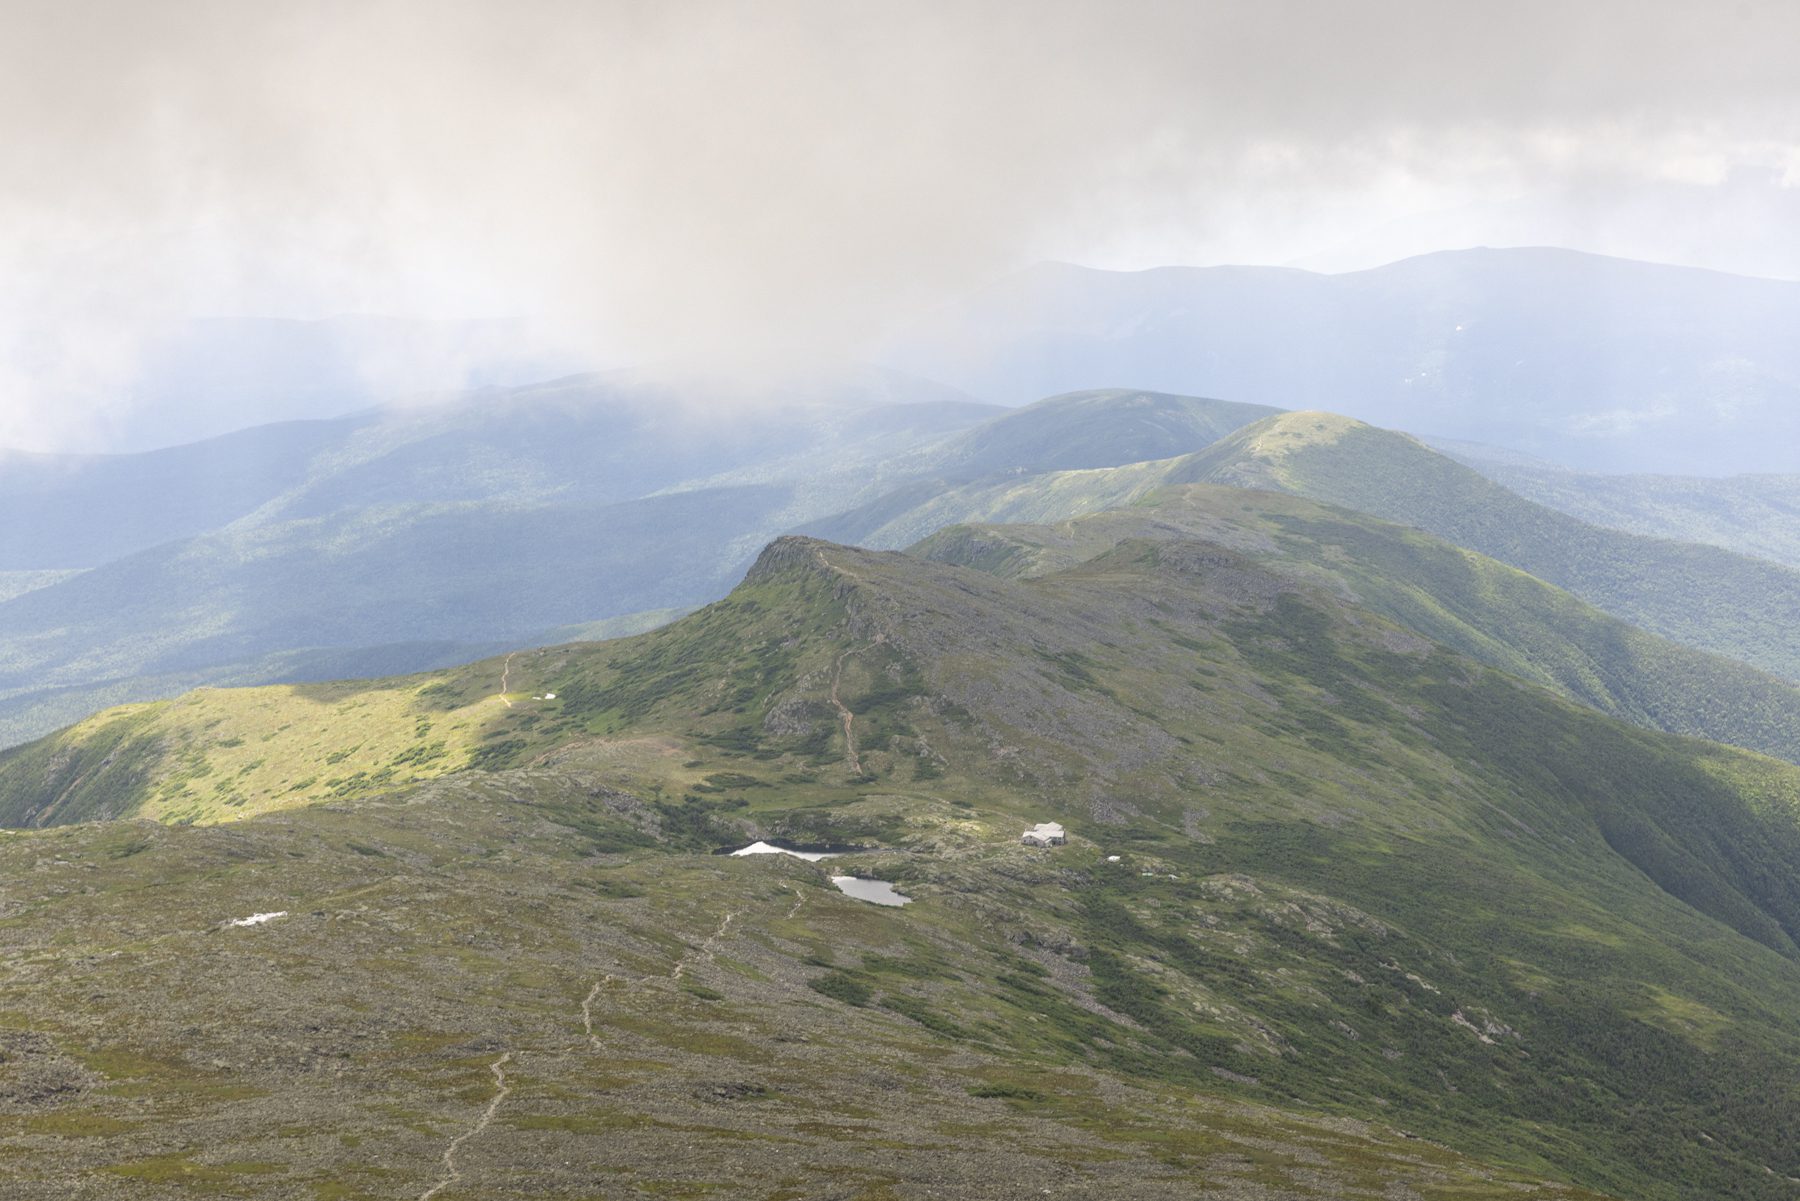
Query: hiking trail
<point x="451" y="1172"/>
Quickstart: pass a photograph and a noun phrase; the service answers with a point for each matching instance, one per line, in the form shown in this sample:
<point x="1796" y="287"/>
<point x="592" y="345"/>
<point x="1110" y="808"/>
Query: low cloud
<point x="699" y="181"/>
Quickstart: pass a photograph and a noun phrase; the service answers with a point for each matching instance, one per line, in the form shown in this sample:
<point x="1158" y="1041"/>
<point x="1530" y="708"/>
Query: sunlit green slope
<point x="1704" y="596"/>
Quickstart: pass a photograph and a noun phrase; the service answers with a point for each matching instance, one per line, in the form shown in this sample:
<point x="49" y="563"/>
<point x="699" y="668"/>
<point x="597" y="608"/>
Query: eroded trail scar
<point x="828" y="565"/>
<point x="708" y="949"/>
<point x="844" y="714"/>
<point x="505" y="671"/>
<point x="451" y="1173"/>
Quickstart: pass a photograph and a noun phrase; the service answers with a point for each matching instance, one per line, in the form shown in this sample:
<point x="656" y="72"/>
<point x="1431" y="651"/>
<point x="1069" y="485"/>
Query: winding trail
<point x="844" y="714"/>
<point x="709" y="948"/>
<point x="451" y="1173"/>
<point x="828" y="565"/>
<point x="505" y="671"/>
<point x="587" y="1009"/>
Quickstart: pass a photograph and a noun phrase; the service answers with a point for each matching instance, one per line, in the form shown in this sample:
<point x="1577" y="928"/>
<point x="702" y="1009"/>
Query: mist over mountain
<point x="1581" y="360"/>
<point x="206" y="378"/>
<point x="401" y="539"/>
<point x="1394" y="799"/>
<point x="404" y="540"/>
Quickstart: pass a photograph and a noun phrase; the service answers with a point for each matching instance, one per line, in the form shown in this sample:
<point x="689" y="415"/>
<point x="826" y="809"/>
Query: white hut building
<point x="1045" y="834"/>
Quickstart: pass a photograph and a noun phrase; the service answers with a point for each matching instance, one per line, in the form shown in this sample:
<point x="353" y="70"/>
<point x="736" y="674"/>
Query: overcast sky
<point x="667" y="180"/>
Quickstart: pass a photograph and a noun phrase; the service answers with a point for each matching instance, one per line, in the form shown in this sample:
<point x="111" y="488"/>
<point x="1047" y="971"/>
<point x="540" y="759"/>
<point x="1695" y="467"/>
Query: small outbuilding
<point x="1045" y="834"/>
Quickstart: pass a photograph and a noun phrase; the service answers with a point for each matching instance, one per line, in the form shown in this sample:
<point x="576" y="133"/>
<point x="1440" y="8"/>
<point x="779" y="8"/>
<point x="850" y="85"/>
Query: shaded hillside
<point x="1060" y="457"/>
<point x="1359" y="874"/>
<point x="69" y="511"/>
<point x="492" y="522"/>
<point x="1475" y="605"/>
<point x="1479" y="606"/>
<point x="1752" y="514"/>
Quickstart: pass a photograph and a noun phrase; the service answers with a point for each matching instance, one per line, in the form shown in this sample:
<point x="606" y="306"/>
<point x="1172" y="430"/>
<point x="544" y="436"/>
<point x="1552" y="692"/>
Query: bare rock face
<point x="795" y="717"/>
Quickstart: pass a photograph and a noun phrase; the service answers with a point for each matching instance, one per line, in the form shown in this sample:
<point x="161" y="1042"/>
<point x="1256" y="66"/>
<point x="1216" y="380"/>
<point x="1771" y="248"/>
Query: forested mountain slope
<point x="1752" y="514"/>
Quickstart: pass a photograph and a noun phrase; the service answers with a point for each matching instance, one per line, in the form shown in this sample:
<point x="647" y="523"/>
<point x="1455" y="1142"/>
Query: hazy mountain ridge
<point x="1479" y="605"/>
<point x="1585" y="360"/>
<point x="200" y="379"/>
<point x="77" y="511"/>
<point x="492" y="522"/>
<point x="489" y="522"/>
<point x="1105" y="427"/>
<point x="515" y="537"/>
<point x="1755" y="515"/>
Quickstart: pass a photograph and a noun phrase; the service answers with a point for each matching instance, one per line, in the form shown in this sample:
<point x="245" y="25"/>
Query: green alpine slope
<point x="1755" y="515"/>
<point x="1467" y="601"/>
<point x="1704" y="596"/>
<point x="1477" y="605"/>
<point x="1360" y="878"/>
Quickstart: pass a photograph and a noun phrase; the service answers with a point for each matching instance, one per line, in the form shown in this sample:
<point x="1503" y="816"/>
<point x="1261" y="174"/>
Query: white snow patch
<point x="257" y="919"/>
<point x="549" y="696"/>
<point x="764" y="848"/>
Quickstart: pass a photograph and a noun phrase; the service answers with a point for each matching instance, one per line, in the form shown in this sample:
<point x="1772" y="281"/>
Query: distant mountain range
<point x="400" y="542"/>
<point x="1702" y="596"/>
<point x="205" y="378"/>
<point x="1585" y="361"/>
